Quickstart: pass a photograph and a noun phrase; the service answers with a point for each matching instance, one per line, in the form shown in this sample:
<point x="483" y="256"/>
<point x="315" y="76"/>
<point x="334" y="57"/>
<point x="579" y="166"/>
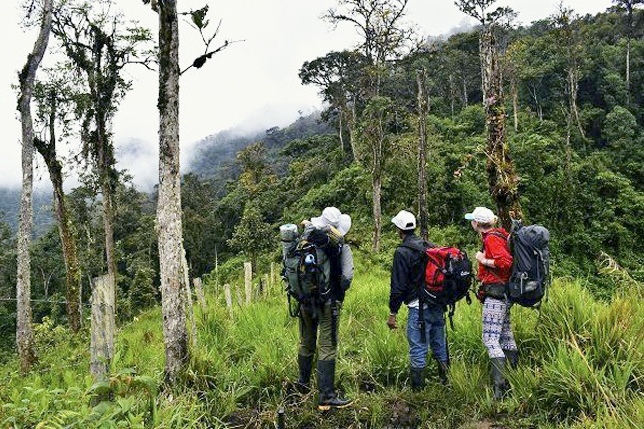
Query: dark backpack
<point x="447" y="278"/>
<point x="307" y="267"/>
<point x="530" y="275"/>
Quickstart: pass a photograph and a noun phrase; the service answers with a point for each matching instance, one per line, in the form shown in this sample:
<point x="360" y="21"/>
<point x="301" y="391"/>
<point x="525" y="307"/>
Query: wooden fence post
<point x="103" y="327"/>
<point x="199" y="291"/>
<point x="248" y="281"/>
<point x="229" y="299"/>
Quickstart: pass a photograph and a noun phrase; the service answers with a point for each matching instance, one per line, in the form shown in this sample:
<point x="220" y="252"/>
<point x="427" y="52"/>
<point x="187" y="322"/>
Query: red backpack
<point x="448" y="276"/>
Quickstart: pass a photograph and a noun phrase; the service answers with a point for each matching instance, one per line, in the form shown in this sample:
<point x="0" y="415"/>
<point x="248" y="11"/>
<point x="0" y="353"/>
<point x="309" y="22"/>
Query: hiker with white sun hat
<point x="326" y="232"/>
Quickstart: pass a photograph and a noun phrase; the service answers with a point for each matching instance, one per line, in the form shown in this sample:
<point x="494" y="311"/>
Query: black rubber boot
<point x="498" y="378"/>
<point x="328" y="398"/>
<point x="512" y="357"/>
<point x="443" y="371"/>
<point x="417" y="378"/>
<point x="305" y="364"/>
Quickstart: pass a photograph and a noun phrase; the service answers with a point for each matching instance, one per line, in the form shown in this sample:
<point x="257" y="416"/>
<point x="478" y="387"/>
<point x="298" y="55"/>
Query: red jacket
<point x="496" y="248"/>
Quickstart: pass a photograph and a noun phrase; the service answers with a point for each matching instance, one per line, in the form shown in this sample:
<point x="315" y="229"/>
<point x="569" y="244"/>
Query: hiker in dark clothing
<point x="495" y="266"/>
<point x="331" y="225"/>
<point x="407" y="277"/>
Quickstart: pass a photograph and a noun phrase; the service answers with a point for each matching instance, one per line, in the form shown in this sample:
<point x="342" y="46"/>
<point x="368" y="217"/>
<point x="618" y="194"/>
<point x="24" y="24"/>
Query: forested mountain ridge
<point x="214" y="156"/>
<point x="571" y="101"/>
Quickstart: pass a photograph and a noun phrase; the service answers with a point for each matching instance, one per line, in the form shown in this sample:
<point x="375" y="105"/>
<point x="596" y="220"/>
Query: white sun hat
<point x="481" y="215"/>
<point x="404" y="220"/>
<point x="331" y="216"/>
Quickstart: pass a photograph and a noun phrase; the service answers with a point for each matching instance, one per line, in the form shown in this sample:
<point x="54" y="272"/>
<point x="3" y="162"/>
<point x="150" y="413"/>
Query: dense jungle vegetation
<point x="581" y="175"/>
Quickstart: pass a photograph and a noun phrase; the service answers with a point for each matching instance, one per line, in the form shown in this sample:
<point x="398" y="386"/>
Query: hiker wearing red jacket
<point x="494" y="268"/>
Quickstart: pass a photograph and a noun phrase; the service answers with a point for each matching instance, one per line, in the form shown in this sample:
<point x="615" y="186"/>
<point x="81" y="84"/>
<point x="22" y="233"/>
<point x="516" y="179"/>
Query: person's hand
<point x="391" y="322"/>
<point x="480" y="256"/>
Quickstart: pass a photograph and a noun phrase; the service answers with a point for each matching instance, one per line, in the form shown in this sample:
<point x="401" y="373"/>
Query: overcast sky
<point x="253" y="83"/>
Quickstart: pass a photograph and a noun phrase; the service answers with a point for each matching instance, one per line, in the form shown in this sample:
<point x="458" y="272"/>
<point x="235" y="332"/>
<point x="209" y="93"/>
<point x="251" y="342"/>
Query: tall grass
<point x="582" y="366"/>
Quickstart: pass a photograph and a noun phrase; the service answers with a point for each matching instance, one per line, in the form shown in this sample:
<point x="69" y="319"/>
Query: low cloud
<point x="141" y="159"/>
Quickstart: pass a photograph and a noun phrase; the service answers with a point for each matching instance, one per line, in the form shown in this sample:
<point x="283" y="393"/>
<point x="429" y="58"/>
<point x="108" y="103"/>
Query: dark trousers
<point x="322" y="318"/>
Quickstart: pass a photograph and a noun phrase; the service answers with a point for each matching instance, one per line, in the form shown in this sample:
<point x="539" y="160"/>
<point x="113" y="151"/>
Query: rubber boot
<point x="443" y="371"/>
<point x="498" y="378"/>
<point x="417" y="378"/>
<point x="512" y="357"/>
<point x="328" y="398"/>
<point x="305" y="364"/>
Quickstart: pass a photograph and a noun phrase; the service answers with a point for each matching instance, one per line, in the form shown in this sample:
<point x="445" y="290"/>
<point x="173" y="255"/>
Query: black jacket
<point x="406" y="274"/>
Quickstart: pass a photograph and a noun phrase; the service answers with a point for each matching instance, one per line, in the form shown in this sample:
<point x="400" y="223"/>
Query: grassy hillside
<point x="582" y="366"/>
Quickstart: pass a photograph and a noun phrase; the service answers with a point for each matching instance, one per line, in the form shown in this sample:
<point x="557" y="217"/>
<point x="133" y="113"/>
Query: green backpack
<point x="307" y="265"/>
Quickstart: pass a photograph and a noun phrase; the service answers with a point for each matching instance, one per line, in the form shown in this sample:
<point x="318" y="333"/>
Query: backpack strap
<point x="492" y="270"/>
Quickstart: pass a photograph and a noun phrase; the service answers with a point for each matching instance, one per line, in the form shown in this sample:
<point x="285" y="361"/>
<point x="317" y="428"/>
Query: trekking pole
<point x="280" y="419"/>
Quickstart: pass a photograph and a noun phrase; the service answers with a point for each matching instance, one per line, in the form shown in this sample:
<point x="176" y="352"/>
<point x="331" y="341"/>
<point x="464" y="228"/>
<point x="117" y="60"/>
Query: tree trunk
<point x="105" y="164"/>
<point x="573" y="89"/>
<point x="515" y="103"/>
<point x="24" y="330"/>
<point x="628" y="71"/>
<point x="351" y="126"/>
<point x="376" y="183"/>
<point x="169" y="204"/>
<point x="108" y="225"/>
<point x="70" y="254"/>
<point x="465" y="100"/>
<point x="502" y="178"/>
<point x="452" y="96"/>
<point x="629" y="36"/>
<point x="340" y="131"/>
<point x="484" y="55"/>
<point x="421" y="79"/>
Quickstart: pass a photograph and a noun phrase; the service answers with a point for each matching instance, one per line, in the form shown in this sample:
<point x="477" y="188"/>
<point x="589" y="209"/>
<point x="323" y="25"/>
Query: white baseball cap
<point x="481" y="215"/>
<point x="404" y="220"/>
<point x="331" y="216"/>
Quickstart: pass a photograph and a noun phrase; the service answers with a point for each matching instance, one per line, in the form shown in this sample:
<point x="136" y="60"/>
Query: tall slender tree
<point x="90" y="37"/>
<point x="628" y="6"/>
<point x="502" y="178"/>
<point x="341" y="77"/>
<point x="50" y="99"/>
<point x="566" y="27"/>
<point x="384" y="38"/>
<point x="172" y="257"/>
<point x="423" y="110"/>
<point x="375" y="136"/>
<point x="169" y="227"/>
<point x="27" y="76"/>
<point x="98" y="45"/>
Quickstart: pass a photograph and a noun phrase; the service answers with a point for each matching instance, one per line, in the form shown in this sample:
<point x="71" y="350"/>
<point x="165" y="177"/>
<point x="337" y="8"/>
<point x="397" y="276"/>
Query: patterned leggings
<point x="497" y="333"/>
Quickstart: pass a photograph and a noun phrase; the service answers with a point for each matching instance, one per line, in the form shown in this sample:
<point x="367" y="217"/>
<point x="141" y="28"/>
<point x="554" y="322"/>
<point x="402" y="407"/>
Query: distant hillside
<point x="214" y="156"/>
<point x="10" y="207"/>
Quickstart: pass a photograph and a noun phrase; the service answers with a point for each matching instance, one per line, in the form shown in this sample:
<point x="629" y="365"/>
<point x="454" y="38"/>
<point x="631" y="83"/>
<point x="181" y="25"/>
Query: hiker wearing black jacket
<point x="407" y="276"/>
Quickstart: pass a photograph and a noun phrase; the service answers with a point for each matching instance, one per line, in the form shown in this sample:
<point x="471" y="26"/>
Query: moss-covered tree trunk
<point x="70" y="254"/>
<point x="24" y="330"/>
<point x="502" y="178"/>
<point x="169" y="205"/>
